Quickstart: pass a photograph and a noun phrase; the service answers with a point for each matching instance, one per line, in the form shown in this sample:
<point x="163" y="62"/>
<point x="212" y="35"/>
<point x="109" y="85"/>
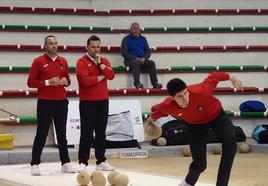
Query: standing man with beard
<point x="93" y="71"/>
<point x="49" y="74"/>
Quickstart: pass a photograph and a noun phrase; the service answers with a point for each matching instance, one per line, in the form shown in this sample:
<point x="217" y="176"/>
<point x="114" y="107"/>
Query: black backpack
<point x="260" y="134"/>
<point x="175" y="132"/>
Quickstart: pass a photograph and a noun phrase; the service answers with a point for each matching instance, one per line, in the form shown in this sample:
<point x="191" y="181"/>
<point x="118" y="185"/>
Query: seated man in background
<point x="136" y="53"/>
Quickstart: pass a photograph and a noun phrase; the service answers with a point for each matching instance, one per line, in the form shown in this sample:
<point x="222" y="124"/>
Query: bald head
<point x="51" y="45"/>
<point x="135" y="29"/>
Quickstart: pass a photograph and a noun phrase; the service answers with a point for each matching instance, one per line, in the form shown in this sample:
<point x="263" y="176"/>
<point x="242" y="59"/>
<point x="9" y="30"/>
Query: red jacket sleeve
<point x="108" y="71"/>
<point x="158" y="111"/>
<point x="210" y="83"/>
<point x="33" y="79"/>
<point x="82" y="75"/>
<point x="155" y="107"/>
<point x="66" y="73"/>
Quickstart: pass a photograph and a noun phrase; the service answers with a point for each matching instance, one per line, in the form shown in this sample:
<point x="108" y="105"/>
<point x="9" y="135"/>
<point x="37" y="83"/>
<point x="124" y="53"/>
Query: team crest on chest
<point x="199" y="108"/>
<point x="61" y="67"/>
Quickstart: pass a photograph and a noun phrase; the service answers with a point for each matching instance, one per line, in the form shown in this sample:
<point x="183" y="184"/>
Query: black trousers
<point x="224" y="129"/>
<point x="46" y="111"/>
<point x="93" y="116"/>
<point x="148" y="66"/>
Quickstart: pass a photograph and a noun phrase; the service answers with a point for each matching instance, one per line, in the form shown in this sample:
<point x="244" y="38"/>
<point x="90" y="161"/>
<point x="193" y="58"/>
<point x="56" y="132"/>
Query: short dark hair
<point x="175" y="85"/>
<point x="45" y="39"/>
<point x="93" y="38"/>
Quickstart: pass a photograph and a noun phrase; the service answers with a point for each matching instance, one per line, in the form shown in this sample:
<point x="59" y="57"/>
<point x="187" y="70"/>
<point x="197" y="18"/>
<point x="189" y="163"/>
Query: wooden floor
<point x="248" y="169"/>
<point x="19" y="175"/>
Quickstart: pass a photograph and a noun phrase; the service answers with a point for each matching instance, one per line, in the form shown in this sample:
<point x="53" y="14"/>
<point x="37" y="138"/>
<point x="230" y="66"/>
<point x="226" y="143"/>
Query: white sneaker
<point x="104" y="167"/>
<point x="35" y="171"/>
<point x="67" y="168"/>
<point x="184" y="183"/>
<point x="82" y="167"/>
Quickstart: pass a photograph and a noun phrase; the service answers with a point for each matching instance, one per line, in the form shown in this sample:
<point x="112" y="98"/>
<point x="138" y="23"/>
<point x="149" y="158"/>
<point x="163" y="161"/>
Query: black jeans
<point x="93" y="116"/>
<point x="148" y="66"/>
<point x="224" y="129"/>
<point x="46" y="111"/>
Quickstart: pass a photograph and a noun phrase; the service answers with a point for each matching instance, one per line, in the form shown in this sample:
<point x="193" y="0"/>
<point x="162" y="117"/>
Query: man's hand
<point x="64" y="81"/>
<point x="153" y="131"/>
<point x="149" y="121"/>
<point x="98" y="58"/>
<point x="99" y="62"/>
<point x="140" y="60"/>
<point x="55" y="81"/>
<point x="236" y="83"/>
<point x="100" y="78"/>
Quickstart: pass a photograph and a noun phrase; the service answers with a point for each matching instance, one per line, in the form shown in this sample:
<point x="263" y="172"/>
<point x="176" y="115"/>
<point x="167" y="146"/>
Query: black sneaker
<point x="157" y="86"/>
<point x="139" y="86"/>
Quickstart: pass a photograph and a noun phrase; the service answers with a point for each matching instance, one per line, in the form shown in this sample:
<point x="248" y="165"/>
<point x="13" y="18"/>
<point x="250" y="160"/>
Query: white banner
<point x="115" y="107"/>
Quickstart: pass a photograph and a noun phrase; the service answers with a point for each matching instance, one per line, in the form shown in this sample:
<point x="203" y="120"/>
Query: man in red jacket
<point x="196" y="105"/>
<point x="93" y="71"/>
<point x="49" y="74"/>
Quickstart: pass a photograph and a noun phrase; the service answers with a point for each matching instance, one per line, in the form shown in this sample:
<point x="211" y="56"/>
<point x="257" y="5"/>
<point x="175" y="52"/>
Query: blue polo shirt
<point x="136" y="45"/>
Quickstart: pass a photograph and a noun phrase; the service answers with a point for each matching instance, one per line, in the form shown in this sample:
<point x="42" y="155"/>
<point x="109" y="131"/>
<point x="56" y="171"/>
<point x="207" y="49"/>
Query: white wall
<point x="154" y="39"/>
<point x="24" y="134"/>
<point x="139" y="4"/>
<point x="162" y="60"/>
<point x="48" y="3"/>
<point x="123" y="80"/>
<point x="125" y="21"/>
